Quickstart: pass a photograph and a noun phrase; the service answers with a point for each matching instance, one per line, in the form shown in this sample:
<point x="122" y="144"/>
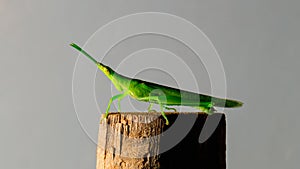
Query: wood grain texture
<point x="133" y="141"/>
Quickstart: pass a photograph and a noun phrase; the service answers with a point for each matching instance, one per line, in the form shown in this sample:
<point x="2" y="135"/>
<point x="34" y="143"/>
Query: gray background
<point x="258" y="42"/>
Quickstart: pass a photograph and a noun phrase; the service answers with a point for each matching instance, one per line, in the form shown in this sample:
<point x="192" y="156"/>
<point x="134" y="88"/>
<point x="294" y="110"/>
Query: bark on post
<point x="133" y="140"/>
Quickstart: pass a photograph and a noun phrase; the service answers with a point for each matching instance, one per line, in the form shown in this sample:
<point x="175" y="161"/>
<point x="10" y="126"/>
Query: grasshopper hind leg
<point x="157" y="100"/>
<point x="170" y="108"/>
<point x="209" y="109"/>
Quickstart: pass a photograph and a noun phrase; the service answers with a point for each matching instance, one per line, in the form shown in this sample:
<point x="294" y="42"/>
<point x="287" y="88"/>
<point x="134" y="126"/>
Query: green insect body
<point x="158" y="94"/>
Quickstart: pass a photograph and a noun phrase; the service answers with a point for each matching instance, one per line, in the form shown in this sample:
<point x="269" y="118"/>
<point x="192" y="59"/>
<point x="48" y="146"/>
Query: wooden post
<point x="132" y="141"/>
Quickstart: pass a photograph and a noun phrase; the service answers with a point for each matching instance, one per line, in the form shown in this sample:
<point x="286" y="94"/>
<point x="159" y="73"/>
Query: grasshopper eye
<point x="106" y="70"/>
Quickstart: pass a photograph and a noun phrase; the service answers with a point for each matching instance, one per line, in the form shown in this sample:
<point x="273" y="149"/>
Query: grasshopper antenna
<point x="84" y="52"/>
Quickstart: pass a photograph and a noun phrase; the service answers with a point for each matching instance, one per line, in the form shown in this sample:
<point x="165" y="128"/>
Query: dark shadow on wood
<point x="191" y="154"/>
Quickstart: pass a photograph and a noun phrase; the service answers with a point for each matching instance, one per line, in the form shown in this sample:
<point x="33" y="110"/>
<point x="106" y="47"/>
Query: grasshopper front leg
<point x="119" y="97"/>
<point x="150" y="108"/>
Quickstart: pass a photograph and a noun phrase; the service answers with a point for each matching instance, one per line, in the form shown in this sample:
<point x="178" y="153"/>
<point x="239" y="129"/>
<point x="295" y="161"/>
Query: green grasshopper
<point x="158" y="94"/>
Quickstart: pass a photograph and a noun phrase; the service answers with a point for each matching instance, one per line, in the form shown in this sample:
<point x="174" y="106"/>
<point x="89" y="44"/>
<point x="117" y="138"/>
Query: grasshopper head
<point x="105" y="69"/>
